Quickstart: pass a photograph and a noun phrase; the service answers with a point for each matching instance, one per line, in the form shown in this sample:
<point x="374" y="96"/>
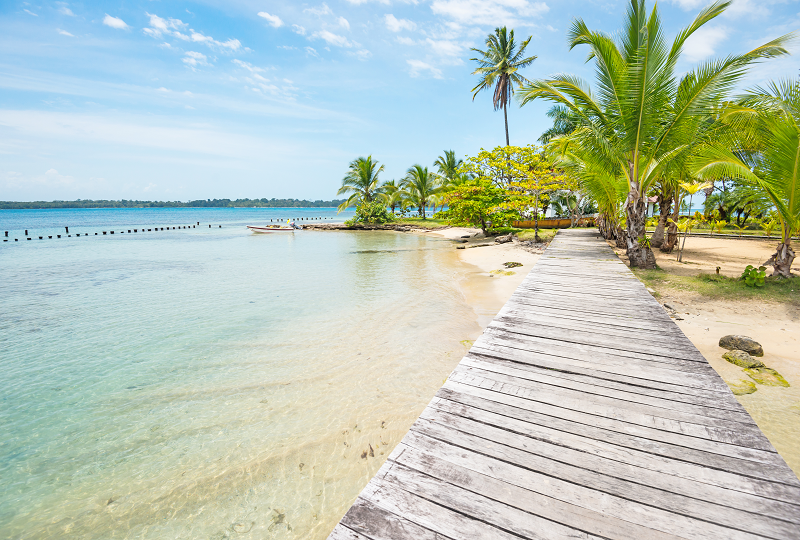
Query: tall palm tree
<point x="419" y="187"/>
<point x="448" y="165"/>
<point x="361" y="182"/>
<point x="766" y="155"/>
<point x="499" y="66"/>
<point x="637" y="120"/>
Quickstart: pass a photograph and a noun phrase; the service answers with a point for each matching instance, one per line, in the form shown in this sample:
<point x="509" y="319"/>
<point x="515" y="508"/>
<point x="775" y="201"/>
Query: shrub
<point x="371" y="212"/>
<point x="754" y="277"/>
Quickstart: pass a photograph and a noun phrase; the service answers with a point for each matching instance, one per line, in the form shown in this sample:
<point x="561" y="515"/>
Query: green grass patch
<point x="418" y="221"/>
<point x="785" y="291"/>
<point x="545" y="235"/>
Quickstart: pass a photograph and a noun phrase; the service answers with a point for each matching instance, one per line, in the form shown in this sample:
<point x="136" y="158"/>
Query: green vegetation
<point x="754" y="277"/>
<point x="716" y="286"/>
<point x="361" y="181"/>
<point x="371" y="212"/>
<point x="208" y="203"/>
<point x="647" y="125"/>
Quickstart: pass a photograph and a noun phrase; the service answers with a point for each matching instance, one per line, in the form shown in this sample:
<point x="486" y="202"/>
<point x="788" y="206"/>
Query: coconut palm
<point x="499" y="67"/>
<point x="419" y="187"/>
<point x="564" y="123"/>
<point x="766" y="155"/>
<point x="392" y="191"/>
<point x="448" y="166"/>
<point x="638" y="119"/>
<point x="361" y="182"/>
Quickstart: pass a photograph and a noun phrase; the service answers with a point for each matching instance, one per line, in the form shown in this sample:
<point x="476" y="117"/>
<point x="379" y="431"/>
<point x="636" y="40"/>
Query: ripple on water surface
<point x="212" y="383"/>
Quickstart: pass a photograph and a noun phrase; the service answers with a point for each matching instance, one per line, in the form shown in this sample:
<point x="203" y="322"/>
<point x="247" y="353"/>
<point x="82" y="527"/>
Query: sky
<point x="161" y="100"/>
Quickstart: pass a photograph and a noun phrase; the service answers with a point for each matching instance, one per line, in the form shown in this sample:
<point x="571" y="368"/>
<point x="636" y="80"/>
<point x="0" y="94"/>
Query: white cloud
<point x="737" y="9"/>
<point x="311" y="51"/>
<point x="194" y="59"/>
<point x="343" y="22"/>
<point x="63" y="32"/>
<point x="396" y="25"/>
<point x="29" y="12"/>
<point x="167" y="26"/>
<point x="489" y="12"/>
<point x="297" y="29"/>
<point x="405" y="40"/>
<point x="446" y="47"/>
<point x="64" y="10"/>
<point x="703" y="42"/>
<point x="319" y="11"/>
<point x="273" y="20"/>
<point x="362" y="54"/>
<point x="287" y="47"/>
<point x="172" y="27"/>
<point x="248" y="66"/>
<point x="115" y="22"/>
<point x="418" y="67"/>
<point x="387" y="2"/>
<point x="333" y="39"/>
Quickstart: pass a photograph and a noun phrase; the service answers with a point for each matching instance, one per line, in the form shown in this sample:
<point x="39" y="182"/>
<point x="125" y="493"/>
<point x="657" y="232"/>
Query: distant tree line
<point x="207" y="203"/>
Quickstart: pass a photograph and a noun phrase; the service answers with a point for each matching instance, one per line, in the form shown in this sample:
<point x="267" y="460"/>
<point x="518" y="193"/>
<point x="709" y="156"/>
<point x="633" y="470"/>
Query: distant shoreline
<point x="208" y="203"/>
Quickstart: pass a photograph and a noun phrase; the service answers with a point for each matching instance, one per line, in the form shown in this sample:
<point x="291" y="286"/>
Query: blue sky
<point x="142" y="99"/>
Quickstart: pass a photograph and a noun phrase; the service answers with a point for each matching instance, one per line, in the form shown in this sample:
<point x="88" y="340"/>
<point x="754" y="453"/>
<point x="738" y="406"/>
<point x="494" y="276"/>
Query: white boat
<point x="271" y="228"/>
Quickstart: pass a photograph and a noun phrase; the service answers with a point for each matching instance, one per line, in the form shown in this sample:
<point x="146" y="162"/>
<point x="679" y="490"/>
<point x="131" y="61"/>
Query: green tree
<point x="361" y="182"/>
<point x="419" y="187"/>
<point x="499" y="67"/>
<point x="393" y="193"/>
<point x="447" y="166"/>
<point x="765" y="154"/>
<point x="478" y="202"/>
<point x="638" y="120"/>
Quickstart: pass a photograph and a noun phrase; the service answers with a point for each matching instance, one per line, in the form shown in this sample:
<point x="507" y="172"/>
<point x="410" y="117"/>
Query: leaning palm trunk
<point x="657" y="240"/>
<point x="781" y="260"/>
<point x="671" y="239"/>
<point x="639" y="253"/>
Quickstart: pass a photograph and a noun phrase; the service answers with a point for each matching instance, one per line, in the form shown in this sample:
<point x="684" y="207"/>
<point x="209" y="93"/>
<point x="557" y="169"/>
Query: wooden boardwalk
<point x="581" y="412"/>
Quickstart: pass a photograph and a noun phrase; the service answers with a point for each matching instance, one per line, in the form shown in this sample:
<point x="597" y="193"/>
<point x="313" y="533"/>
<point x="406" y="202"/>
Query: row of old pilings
<point x="130" y="231"/>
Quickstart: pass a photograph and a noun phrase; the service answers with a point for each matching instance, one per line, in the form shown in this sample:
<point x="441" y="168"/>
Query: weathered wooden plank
<point x="672" y="402"/>
<point x="646" y="433"/>
<point x="733" y="433"/>
<point x="340" y="532"/>
<point x="638" y="467"/>
<point x="550" y="365"/>
<point x="546" y="518"/>
<point x="476" y="503"/>
<point x="508" y="469"/>
<point x="367" y="520"/>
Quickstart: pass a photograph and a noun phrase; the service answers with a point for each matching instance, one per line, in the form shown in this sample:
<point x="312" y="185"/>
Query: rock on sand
<point x="742" y="343"/>
<point x="742" y="359"/>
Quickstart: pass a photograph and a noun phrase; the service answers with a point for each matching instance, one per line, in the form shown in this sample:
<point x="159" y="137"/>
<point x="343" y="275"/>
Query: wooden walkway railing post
<point x="581" y="412"/>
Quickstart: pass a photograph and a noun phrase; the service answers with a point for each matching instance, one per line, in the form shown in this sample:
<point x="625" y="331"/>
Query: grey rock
<point x="504" y="239"/>
<point x="742" y="343"/>
<point x="742" y="359"/>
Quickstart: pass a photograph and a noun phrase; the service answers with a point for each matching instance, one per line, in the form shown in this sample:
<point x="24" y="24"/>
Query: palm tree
<point x="448" y="166"/>
<point x="766" y="155"/>
<point x="499" y="67"/>
<point x="392" y="191"/>
<point x="419" y="186"/>
<point x="638" y="119"/>
<point x="361" y="181"/>
<point x="564" y="123"/>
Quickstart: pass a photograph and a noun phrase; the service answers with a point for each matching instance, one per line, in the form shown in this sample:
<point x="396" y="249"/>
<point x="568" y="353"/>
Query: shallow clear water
<point x="210" y="383"/>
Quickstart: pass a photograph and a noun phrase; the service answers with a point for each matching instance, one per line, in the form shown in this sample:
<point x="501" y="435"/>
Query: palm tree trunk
<point x="505" y="116"/>
<point x="657" y="240"/>
<point x="640" y="255"/>
<point x="672" y="231"/>
<point x="781" y="260"/>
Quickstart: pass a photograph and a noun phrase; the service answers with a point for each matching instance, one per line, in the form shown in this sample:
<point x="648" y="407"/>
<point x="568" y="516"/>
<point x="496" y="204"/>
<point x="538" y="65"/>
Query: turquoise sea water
<point x="211" y="383"/>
